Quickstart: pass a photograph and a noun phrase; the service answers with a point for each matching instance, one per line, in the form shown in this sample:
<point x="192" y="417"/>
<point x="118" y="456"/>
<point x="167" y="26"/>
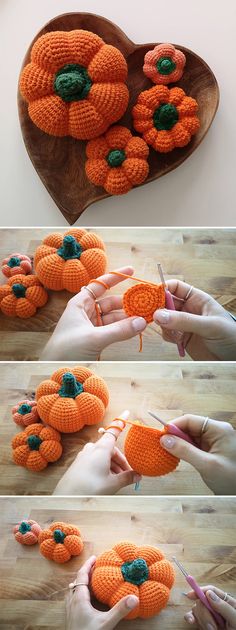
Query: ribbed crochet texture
<point x="21" y="296"/>
<point x="74" y="84"/>
<point x="16" y="263"/>
<point x="143" y="300"/>
<point x="36" y="446"/>
<point x="60" y="542"/>
<point x="27" y="532"/>
<point x="145" y="454"/>
<point x="130" y="570"/>
<point x="25" y="413"/>
<point x="164" y="64"/>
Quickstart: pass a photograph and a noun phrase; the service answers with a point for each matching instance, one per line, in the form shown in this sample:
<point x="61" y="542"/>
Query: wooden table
<point x="170" y="389"/>
<point x="205" y="258"/>
<point x="200" y="532"/>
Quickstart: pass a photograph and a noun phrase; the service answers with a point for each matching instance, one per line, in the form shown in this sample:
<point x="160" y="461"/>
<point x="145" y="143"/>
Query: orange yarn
<point x="117" y="161"/>
<point x="25" y="413"/>
<point x="130" y="570"/>
<point x="68" y="261"/>
<point x="15" y="264"/>
<point x="164" y="64"/>
<point x="21" y="296"/>
<point x="145" y="454"/>
<point x="166" y="118"/>
<point x="36" y="446"/>
<point x="27" y="532"/>
<point x="60" y="542"/>
<point x="143" y="300"/>
<point x="72" y="398"/>
<point x="74" y="84"/>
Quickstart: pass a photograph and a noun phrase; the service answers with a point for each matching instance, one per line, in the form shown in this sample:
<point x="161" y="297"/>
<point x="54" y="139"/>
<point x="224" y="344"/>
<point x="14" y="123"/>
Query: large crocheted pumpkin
<point x="72" y="398"/>
<point x="130" y="570"/>
<point x="164" y="64"/>
<point x="25" y="413"/>
<point x="60" y="542"/>
<point x="21" y="296"/>
<point x="36" y="446"/>
<point x="145" y="454"/>
<point x="69" y="261"/>
<point x="143" y="299"/>
<point x="15" y="264"/>
<point x="27" y="532"/>
<point x="74" y="84"/>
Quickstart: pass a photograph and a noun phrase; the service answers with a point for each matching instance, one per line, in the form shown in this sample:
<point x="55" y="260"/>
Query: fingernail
<point x="132" y="601"/>
<point x="185" y="594"/>
<point x="137" y="478"/>
<point x="139" y="323"/>
<point x="210" y="626"/>
<point x="189" y="618"/>
<point x="167" y="441"/>
<point x="213" y="596"/>
<point x="162" y="316"/>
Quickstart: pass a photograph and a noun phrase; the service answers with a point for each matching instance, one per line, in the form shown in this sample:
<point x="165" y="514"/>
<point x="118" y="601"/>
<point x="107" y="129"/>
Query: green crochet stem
<point x="59" y="536"/>
<point x="34" y="442"/>
<point x="165" y="65"/>
<point x="165" y="116"/>
<point x="71" y="388"/>
<point x="24" y="527"/>
<point x="70" y="248"/>
<point x="135" y="572"/>
<point x="14" y="261"/>
<point x="72" y="82"/>
<point x="24" y="408"/>
<point x="115" y="157"/>
<point x="18" y="290"/>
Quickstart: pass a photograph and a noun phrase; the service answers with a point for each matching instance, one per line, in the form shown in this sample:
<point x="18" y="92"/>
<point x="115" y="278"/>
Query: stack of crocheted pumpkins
<point x="75" y="85"/>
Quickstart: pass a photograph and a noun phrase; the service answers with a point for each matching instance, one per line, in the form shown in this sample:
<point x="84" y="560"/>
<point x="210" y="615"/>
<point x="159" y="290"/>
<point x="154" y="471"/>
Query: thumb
<point x="126" y="478"/>
<point x="120" y="331"/>
<point x="185" y="451"/>
<point x="187" y="322"/>
<point x="121" y="609"/>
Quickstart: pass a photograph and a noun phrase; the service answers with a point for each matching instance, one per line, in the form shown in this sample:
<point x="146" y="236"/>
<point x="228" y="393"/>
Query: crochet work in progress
<point x="145" y="454"/>
<point x="165" y="117"/>
<point x="27" y="532"/>
<point x="25" y="413"/>
<point x="130" y="570"/>
<point x="68" y="261"/>
<point x="164" y="64"/>
<point x="15" y="264"/>
<point x="21" y="296"/>
<point x="144" y="299"/>
<point x="36" y="446"/>
<point x="72" y="398"/>
<point x="117" y="161"/>
<point x="60" y="542"/>
<point x="74" y="84"/>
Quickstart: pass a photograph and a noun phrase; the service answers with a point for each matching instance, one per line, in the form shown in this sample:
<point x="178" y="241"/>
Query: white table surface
<point x="199" y="192"/>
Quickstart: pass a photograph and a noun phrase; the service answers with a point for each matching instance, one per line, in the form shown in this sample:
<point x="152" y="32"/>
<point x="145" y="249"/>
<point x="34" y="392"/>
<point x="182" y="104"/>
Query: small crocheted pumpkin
<point x="21" y="296"/>
<point x="143" y="300"/>
<point x="130" y="570"/>
<point x="74" y="84"/>
<point x="36" y="446"/>
<point x="25" y="413"/>
<point x="27" y="532"/>
<point x="117" y="161"/>
<point x="145" y="454"/>
<point x="165" y="117"/>
<point x="60" y="542"/>
<point x="72" y="398"/>
<point x="15" y="264"/>
<point x="70" y="260"/>
<point x="164" y="64"/>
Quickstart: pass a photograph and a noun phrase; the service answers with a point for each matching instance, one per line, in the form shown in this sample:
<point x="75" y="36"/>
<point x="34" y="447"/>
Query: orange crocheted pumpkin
<point x="27" y="532"/>
<point x="70" y="260"/>
<point x="164" y="64"/>
<point x="143" y="300"/>
<point x="74" y="84"/>
<point x="15" y="264"/>
<point x="130" y="570"/>
<point x="60" y="542"/>
<point x="117" y="161"/>
<point x="165" y="118"/>
<point x="72" y="398"/>
<point x="36" y="446"/>
<point x="25" y="413"/>
<point x="21" y="296"/>
<point x="145" y="454"/>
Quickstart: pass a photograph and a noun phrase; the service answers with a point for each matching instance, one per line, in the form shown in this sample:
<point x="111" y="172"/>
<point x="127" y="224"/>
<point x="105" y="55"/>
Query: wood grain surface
<point x="168" y="389"/>
<point x="205" y="258"/>
<point x="199" y="532"/>
<point x="60" y="162"/>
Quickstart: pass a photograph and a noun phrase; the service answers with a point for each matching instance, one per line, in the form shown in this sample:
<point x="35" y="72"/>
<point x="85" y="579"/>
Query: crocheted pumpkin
<point x="165" y="118"/>
<point x="36" y="446"/>
<point x="143" y="300"/>
<point x="145" y="454"/>
<point x="164" y="64"/>
<point x="15" y="264"/>
<point x="69" y="261"/>
<point x="130" y="570"/>
<point x="27" y="532"/>
<point x="60" y="542"/>
<point x="21" y="296"/>
<point x="117" y="161"/>
<point x="72" y="398"/>
<point x="25" y="413"/>
<point x="74" y="84"/>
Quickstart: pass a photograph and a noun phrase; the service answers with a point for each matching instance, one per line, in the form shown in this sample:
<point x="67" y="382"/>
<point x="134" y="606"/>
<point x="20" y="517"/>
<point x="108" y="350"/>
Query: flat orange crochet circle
<point x="145" y="454"/>
<point x="143" y="300"/>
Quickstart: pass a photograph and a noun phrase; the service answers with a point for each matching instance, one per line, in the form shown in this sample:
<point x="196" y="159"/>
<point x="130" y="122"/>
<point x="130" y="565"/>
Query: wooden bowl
<point x="60" y="162"/>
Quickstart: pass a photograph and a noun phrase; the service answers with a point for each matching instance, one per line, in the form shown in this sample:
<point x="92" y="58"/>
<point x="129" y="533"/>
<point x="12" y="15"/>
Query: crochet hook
<point x="173" y="429"/>
<point x="200" y="593"/>
<point x="170" y="305"/>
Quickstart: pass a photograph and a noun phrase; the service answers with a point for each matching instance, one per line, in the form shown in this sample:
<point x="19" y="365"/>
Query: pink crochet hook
<point x="200" y="593"/>
<point x="169" y="303"/>
<point x="173" y="429"/>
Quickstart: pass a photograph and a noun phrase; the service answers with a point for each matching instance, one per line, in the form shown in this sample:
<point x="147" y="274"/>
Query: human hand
<point x="99" y="468"/>
<point x="80" y="614"/>
<point x="77" y="336"/>
<point x="221" y="602"/>
<point x="206" y="330"/>
<point x="215" y="458"/>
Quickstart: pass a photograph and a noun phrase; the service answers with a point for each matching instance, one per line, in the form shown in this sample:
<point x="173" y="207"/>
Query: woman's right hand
<point x="221" y="602"/>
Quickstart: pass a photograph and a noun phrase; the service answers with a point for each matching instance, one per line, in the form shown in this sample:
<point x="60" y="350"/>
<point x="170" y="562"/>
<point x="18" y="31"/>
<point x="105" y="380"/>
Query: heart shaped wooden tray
<point x="59" y="162"/>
